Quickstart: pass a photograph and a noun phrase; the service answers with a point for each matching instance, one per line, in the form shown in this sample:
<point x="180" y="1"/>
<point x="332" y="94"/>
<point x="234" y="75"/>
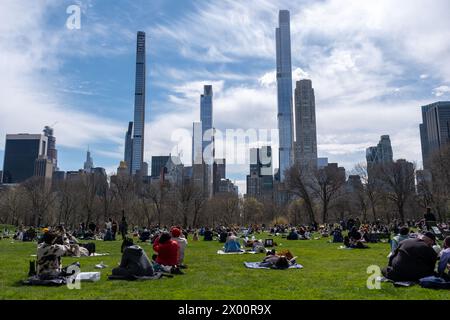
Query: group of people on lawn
<point x="169" y="248"/>
<point x="412" y="258"/>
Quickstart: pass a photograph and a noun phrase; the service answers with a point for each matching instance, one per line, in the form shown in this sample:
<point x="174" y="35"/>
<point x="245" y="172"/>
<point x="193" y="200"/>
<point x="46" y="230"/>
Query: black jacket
<point x="136" y="262"/>
<point x="412" y="260"/>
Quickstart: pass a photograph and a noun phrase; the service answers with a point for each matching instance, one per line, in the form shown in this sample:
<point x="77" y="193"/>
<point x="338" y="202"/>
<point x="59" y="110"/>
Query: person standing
<point x="123" y="228"/>
<point x="114" y="229"/>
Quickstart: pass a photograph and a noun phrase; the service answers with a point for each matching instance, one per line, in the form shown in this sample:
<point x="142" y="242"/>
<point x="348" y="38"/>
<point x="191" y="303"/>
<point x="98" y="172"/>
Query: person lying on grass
<point x="134" y="262"/>
<point x="232" y="244"/>
<point x="413" y="260"/>
<point x="167" y="254"/>
<point x="283" y="260"/>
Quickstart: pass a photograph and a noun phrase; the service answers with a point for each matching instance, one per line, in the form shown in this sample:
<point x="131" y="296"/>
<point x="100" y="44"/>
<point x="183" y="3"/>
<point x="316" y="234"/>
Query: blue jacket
<point x="232" y="246"/>
<point x="445" y="259"/>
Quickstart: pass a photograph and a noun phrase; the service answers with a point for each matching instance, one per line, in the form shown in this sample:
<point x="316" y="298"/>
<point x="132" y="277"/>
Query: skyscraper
<point x="139" y="106"/>
<point x="435" y="129"/>
<point x="305" y="125"/>
<point x="284" y="85"/>
<point x="206" y="118"/>
<point x="89" y="163"/>
<point x="260" y="180"/>
<point x="380" y="154"/>
<point x="197" y="157"/>
<point x="52" y="153"/>
<point x="158" y="164"/>
<point x="128" y="156"/>
<point x="21" y="153"/>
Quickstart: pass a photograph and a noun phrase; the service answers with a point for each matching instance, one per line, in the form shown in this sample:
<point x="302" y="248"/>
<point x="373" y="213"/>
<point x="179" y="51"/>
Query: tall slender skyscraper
<point x="305" y="125"/>
<point x="206" y="118"/>
<point x="284" y="85"/>
<point x="89" y="163"/>
<point x="128" y="156"/>
<point x="139" y="106"/>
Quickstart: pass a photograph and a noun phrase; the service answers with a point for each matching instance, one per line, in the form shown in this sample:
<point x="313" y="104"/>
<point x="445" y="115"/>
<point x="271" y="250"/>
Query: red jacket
<point x="167" y="252"/>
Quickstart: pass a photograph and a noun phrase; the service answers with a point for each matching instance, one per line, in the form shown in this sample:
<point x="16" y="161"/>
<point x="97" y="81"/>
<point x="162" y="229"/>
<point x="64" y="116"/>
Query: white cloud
<point x="441" y="91"/>
<point x="28" y="99"/>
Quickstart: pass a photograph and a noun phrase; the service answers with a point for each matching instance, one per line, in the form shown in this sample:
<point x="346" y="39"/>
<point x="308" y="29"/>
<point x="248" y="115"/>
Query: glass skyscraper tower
<point x="305" y="125"/>
<point x="284" y="85"/>
<point x="139" y="106"/>
<point x="206" y="116"/>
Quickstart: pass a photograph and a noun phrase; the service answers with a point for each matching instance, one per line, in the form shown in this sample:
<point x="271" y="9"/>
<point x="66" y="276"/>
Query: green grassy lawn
<point x="328" y="273"/>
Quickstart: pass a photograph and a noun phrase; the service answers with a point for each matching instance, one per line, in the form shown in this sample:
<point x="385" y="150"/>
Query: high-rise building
<point x="21" y="152"/>
<point x="219" y="173"/>
<point x="52" y="153"/>
<point x="139" y="106"/>
<point x="89" y="163"/>
<point x="305" y="125"/>
<point x="206" y="118"/>
<point x="123" y="169"/>
<point x="158" y="165"/>
<point x="322" y="162"/>
<point x="435" y="129"/>
<point x="381" y="154"/>
<point x="197" y="154"/>
<point x="284" y="86"/>
<point x="128" y="155"/>
<point x="260" y="181"/>
<point x="43" y="167"/>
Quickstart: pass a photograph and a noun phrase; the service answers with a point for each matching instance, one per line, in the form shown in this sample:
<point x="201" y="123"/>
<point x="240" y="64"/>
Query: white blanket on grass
<point x="257" y="265"/>
<point x="240" y="252"/>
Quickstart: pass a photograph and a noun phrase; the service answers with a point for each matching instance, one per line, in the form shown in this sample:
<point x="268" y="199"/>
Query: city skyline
<point x="380" y="107"/>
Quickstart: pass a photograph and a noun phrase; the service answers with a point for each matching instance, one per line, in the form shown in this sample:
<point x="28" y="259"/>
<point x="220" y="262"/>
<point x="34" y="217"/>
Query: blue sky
<point x="372" y="65"/>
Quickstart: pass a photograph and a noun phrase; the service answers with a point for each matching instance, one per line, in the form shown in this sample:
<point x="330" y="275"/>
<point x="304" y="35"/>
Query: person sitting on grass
<point x="208" y="235"/>
<point x="232" y="244"/>
<point x="293" y="235"/>
<point x="145" y="235"/>
<point x="49" y="255"/>
<point x="414" y="259"/>
<point x="402" y="236"/>
<point x="168" y="252"/>
<point x="337" y="235"/>
<point x="179" y="237"/>
<point x="134" y="262"/>
<point x="444" y="261"/>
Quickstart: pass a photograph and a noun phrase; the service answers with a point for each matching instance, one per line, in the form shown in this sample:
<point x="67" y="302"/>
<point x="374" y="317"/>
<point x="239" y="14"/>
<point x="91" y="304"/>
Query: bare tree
<point x="67" y="198"/>
<point x="157" y="194"/>
<point x="40" y="196"/>
<point x="440" y="171"/>
<point x="398" y="180"/>
<point x="372" y="187"/>
<point x="123" y="188"/>
<point x="253" y="211"/>
<point x="328" y="187"/>
<point x="299" y="181"/>
<point x="12" y="206"/>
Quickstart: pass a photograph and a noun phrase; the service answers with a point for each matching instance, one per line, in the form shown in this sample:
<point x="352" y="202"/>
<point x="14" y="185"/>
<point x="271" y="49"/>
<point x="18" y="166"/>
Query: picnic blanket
<point x="398" y="283"/>
<point x="257" y="265"/>
<point x="240" y="252"/>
